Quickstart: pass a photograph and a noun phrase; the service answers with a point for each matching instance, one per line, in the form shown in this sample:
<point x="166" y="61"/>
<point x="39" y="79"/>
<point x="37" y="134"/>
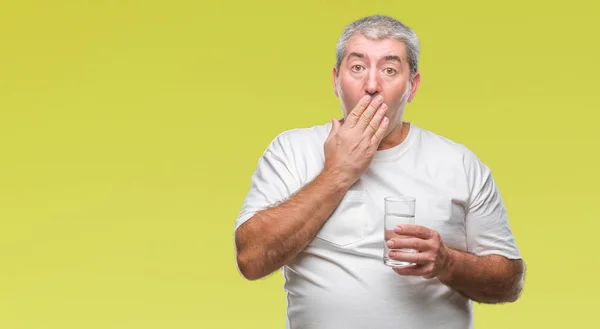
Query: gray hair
<point x="380" y="27"/>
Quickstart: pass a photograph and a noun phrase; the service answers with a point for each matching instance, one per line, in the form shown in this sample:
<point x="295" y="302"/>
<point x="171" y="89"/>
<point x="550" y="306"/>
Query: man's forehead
<point x="375" y="48"/>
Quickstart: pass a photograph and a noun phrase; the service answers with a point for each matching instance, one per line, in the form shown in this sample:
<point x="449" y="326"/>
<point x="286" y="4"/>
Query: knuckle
<point x="428" y="272"/>
<point x="363" y="146"/>
<point x="378" y="135"/>
<point x="416" y="244"/>
<point x="434" y="245"/>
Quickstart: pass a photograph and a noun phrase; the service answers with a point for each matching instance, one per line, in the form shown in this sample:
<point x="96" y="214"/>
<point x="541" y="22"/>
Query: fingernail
<point x="379" y="98"/>
<point x="390" y="244"/>
<point x="392" y="254"/>
<point x="397" y="229"/>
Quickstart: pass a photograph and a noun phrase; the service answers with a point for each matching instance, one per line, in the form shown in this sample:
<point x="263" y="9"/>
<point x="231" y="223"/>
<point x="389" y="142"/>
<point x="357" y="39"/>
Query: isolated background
<point x="129" y="131"/>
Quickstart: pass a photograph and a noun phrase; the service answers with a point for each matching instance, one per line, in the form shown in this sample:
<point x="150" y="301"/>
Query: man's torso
<point x="339" y="280"/>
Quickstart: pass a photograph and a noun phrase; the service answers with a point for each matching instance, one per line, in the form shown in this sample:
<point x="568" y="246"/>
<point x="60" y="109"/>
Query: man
<point x="315" y="206"/>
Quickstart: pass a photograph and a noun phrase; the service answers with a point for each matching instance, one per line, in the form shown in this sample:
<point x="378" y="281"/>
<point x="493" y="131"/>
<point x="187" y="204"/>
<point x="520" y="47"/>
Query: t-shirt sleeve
<point x="487" y="226"/>
<point x="272" y="182"/>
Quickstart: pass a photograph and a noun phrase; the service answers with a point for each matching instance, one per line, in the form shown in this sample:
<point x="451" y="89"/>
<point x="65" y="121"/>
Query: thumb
<point x="335" y="126"/>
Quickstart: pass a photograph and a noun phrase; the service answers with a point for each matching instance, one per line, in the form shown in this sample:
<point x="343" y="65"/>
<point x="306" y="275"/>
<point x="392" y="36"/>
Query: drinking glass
<point x="398" y="210"/>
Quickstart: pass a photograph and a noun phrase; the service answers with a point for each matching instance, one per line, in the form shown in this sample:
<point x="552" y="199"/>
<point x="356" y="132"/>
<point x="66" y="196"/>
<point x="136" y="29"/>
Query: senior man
<point x="315" y="205"/>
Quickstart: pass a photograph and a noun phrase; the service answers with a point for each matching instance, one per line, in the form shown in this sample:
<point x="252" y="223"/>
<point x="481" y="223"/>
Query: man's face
<point x="375" y="67"/>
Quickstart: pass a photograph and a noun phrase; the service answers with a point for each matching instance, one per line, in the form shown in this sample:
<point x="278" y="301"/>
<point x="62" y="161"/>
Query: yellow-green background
<point x="129" y="131"/>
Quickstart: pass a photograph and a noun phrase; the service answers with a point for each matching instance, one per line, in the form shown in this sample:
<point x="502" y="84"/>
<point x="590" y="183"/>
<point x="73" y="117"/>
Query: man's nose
<point x="372" y="83"/>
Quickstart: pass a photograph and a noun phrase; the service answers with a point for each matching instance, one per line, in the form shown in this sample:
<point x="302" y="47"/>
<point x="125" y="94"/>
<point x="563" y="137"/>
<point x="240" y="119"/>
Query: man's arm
<point x="273" y="237"/>
<point x="276" y="235"/>
<point x="484" y="279"/>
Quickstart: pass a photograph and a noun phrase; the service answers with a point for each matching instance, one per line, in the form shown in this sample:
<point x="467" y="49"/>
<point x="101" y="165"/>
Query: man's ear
<point x="335" y="78"/>
<point x="415" y="86"/>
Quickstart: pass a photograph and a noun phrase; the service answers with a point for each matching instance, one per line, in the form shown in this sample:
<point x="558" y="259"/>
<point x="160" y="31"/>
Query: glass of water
<point x="398" y="210"/>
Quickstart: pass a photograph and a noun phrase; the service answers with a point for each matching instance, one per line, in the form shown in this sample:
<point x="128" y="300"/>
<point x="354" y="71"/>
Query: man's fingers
<point x="417" y="231"/>
<point x="411" y="257"/>
<point x="408" y="243"/>
<point x="414" y="270"/>
<point x="369" y="112"/>
<point x="379" y="135"/>
<point x="356" y="113"/>
<point x="375" y="121"/>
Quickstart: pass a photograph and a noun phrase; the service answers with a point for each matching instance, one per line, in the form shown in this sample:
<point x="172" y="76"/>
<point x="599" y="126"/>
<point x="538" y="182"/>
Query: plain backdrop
<point x="129" y="131"/>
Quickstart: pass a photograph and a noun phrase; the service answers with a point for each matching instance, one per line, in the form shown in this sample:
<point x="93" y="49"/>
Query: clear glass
<point x="398" y="210"/>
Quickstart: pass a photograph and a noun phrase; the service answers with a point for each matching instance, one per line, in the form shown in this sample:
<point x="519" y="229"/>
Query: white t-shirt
<point x="339" y="280"/>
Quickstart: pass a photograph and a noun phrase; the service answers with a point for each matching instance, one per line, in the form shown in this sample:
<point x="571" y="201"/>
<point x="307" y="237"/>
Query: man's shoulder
<point x="319" y="131"/>
<point x="298" y="142"/>
<point x="442" y="145"/>
<point x="451" y="152"/>
<point x="302" y="136"/>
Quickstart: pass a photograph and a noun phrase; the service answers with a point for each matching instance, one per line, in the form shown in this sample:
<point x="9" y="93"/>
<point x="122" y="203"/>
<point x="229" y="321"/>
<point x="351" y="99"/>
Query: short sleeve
<point x="487" y="226"/>
<point x="272" y="182"/>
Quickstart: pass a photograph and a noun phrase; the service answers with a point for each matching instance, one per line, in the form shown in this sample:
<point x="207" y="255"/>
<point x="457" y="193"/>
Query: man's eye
<point x="390" y="71"/>
<point x="356" y="68"/>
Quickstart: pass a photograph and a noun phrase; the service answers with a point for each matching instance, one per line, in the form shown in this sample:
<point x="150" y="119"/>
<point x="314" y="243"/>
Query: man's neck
<point x="396" y="137"/>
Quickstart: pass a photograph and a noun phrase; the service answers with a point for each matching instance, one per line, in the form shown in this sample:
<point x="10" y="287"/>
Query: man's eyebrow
<point x="385" y="58"/>
<point x="393" y="58"/>
<point x="355" y="54"/>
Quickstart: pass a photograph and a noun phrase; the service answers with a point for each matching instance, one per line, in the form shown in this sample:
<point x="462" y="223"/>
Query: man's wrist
<point x="448" y="265"/>
<point x="336" y="178"/>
